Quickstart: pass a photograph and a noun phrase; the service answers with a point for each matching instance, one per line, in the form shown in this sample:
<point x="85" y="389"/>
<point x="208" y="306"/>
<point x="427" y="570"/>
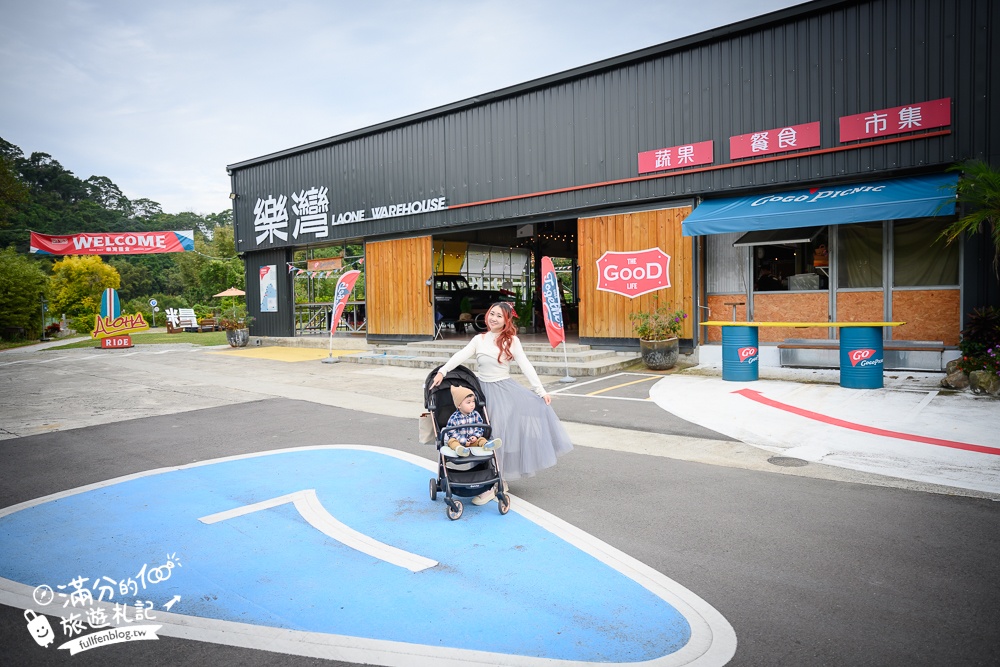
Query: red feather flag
<point x="552" y="304"/>
<point x="344" y="288"/>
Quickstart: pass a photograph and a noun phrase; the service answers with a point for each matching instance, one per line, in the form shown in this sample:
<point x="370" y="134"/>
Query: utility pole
<point x="45" y="307"/>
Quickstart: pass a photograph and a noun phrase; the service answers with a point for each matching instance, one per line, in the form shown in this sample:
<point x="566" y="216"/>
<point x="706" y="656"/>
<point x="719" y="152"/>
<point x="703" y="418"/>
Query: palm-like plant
<point x="978" y="192"/>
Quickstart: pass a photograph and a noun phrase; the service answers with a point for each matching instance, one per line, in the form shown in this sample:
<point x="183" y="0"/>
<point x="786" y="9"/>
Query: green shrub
<point x="980" y="344"/>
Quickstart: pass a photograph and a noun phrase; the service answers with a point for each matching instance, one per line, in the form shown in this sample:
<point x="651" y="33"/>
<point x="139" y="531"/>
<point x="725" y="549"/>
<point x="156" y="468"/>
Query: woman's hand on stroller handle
<point x="438" y="378"/>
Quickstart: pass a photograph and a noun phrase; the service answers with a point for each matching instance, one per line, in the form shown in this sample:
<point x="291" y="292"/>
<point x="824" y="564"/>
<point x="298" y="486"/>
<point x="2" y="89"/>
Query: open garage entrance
<point x="477" y="267"/>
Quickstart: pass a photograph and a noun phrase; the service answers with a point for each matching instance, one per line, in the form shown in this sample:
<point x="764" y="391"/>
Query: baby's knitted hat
<point x="458" y="394"/>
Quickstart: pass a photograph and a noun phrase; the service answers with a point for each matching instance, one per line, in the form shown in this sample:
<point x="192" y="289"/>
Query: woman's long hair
<point x="506" y="335"/>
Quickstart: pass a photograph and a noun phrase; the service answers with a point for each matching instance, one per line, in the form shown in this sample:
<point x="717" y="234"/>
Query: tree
<point x="978" y="192"/>
<point x="76" y="287"/>
<point x="136" y="278"/>
<point x="13" y="192"/>
<point x="22" y="286"/>
<point x="145" y="210"/>
<point x="103" y="191"/>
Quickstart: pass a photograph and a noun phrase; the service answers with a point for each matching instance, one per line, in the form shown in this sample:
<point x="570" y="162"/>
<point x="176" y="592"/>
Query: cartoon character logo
<point x="39" y="628"/>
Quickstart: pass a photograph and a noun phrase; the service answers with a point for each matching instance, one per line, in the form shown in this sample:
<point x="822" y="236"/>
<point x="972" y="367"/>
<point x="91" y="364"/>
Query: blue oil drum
<point x="740" y="354"/>
<point x="861" y="357"/>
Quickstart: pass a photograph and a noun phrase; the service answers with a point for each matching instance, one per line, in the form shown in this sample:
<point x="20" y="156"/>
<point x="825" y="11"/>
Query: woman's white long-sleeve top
<point x="484" y="348"/>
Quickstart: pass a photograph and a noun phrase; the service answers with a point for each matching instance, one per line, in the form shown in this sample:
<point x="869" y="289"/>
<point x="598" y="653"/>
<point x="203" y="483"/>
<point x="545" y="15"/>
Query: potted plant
<point x="236" y="330"/>
<point x="658" y="330"/>
<point x="522" y="308"/>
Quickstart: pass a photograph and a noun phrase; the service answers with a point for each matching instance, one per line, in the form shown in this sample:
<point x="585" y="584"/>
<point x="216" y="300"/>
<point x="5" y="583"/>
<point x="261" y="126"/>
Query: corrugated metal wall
<point x="729" y="265"/>
<point x="281" y="323"/>
<point x="828" y="60"/>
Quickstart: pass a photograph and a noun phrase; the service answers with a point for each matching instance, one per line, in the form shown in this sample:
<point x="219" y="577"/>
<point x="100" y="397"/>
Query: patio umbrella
<point x="233" y="292"/>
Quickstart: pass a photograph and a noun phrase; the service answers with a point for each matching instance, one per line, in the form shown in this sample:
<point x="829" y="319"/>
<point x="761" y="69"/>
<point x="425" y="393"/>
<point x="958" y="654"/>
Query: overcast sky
<point x="160" y="96"/>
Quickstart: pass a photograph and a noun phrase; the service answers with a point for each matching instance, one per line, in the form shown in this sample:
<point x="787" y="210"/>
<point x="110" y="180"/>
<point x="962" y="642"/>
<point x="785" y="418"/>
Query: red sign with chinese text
<point x="676" y="157"/>
<point x="897" y="120"/>
<point x="778" y="140"/>
<point x="633" y="273"/>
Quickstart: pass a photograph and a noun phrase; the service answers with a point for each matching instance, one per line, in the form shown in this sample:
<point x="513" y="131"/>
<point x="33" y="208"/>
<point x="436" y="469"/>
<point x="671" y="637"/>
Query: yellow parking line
<point x="619" y="386"/>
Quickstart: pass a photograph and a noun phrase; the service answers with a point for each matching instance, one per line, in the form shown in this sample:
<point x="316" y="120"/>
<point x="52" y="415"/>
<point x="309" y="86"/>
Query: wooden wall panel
<point x="718" y="310"/>
<point x="803" y="307"/>
<point x="929" y="315"/>
<point x="860" y="306"/>
<point x="399" y="299"/>
<point x="606" y="315"/>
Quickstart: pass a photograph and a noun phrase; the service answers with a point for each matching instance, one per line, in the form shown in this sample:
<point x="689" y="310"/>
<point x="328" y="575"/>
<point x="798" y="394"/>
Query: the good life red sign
<point x="633" y="273"/>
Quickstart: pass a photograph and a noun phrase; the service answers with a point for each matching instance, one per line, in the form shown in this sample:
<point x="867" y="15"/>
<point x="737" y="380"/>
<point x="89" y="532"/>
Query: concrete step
<point x="546" y="354"/>
<point x="583" y="361"/>
<point x="458" y="344"/>
<point x="400" y="356"/>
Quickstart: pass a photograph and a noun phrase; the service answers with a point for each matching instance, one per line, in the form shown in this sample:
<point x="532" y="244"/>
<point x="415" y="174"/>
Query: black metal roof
<point x="682" y="43"/>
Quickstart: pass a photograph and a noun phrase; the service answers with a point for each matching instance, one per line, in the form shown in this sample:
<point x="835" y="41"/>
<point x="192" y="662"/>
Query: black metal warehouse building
<point x="569" y="147"/>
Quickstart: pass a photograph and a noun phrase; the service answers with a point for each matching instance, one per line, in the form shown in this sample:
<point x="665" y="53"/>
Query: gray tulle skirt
<point x="533" y="437"/>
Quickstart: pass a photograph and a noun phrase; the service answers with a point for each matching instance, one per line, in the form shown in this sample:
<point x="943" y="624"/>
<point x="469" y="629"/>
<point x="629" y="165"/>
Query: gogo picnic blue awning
<point x="899" y="198"/>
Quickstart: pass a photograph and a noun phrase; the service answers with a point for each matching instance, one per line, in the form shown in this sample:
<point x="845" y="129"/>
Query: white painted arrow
<point x="312" y="510"/>
<point x="174" y="600"/>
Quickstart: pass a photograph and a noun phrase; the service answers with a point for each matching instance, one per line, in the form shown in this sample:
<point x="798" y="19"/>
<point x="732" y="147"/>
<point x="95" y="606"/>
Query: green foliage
<point x="136" y="278"/>
<point x="522" y="309"/>
<point x="22" y="286"/>
<point x="38" y="194"/>
<point x="148" y="338"/>
<point x="978" y="192"/>
<point x="980" y="344"/>
<point x="320" y="289"/>
<point x="660" y="323"/>
<point x="13" y="193"/>
<point x="83" y="323"/>
<point x="77" y="284"/>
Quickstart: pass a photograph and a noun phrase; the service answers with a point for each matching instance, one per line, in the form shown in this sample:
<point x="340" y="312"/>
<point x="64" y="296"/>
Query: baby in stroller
<point x="479" y="470"/>
<point x="469" y="435"/>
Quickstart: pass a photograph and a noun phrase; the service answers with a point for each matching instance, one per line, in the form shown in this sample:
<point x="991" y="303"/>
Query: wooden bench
<point x="910" y="355"/>
<point x="209" y="324"/>
<point x="184" y="320"/>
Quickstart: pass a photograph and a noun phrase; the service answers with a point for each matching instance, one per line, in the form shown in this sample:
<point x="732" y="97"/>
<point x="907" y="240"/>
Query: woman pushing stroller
<point x="532" y="435"/>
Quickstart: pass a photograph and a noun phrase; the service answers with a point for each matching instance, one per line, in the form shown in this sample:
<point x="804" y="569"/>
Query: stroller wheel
<point x="503" y="502"/>
<point x="434" y="488"/>
<point x="455" y="514"/>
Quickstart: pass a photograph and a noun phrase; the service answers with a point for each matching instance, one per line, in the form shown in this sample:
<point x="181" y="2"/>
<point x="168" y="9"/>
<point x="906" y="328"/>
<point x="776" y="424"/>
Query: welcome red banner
<point x="118" y="243"/>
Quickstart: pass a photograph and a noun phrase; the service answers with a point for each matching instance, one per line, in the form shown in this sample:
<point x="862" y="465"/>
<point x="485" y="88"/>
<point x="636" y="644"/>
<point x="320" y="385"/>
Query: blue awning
<point x="899" y="198"/>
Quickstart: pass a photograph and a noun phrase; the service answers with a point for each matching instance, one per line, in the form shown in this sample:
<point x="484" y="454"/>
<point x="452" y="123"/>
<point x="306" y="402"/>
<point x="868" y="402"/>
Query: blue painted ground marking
<point x="525" y="585"/>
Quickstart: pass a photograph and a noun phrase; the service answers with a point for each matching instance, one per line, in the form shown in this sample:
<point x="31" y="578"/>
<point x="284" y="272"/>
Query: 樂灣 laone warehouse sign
<point x="123" y="243"/>
<point x="310" y="210"/>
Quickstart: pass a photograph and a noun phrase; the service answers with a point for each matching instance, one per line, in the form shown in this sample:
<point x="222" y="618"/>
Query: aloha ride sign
<point x="112" y="327"/>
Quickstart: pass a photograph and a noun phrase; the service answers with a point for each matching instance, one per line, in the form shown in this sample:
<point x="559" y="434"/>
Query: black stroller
<point x="460" y="476"/>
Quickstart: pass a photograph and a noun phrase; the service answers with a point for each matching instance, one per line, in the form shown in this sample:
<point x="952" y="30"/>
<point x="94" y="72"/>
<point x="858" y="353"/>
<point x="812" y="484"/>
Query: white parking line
<point x="48" y="361"/>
